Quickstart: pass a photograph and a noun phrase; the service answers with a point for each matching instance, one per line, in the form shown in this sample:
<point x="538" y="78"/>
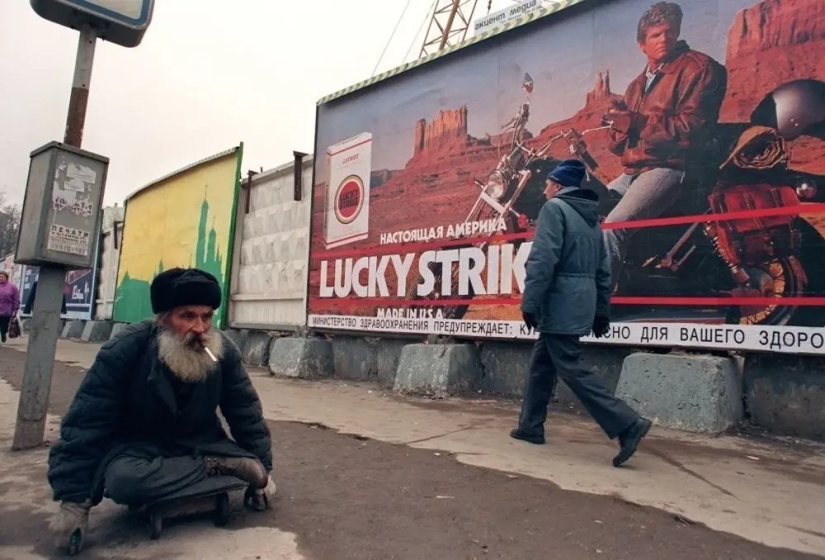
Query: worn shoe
<point x="262" y="498"/>
<point x="247" y="469"/>
<point x="630" y="439"/>
<point x="524" y="436"/>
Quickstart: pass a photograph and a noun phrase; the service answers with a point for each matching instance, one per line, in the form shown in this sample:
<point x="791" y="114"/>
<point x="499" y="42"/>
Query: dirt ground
<point x="347" y="496"/>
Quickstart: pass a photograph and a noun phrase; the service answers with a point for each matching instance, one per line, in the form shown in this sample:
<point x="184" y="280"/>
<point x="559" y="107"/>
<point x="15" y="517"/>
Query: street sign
<point x="122" y="22"/>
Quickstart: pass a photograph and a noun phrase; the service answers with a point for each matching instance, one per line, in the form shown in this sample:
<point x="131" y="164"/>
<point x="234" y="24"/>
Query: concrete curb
<point x="304" y="358"/>
<point x="786" y="394"/>
<point x="696" y="393"/>
<point x="73" y="329"/>
<point x="256" y="348"/>
<point x="438" y="370"/>
<point x="97" y="331"/>
<point x="366" y="359"/>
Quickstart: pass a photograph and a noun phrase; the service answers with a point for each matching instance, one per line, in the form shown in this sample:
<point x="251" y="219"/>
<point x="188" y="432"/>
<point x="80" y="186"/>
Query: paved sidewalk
<point x="765" y="492"/>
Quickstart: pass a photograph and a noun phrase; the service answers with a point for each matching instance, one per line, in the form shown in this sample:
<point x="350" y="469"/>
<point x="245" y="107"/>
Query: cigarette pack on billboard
<point x="347" y="201"/>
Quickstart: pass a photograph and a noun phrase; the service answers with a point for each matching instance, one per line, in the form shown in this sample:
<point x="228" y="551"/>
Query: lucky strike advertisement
<point x="701" y="126"/>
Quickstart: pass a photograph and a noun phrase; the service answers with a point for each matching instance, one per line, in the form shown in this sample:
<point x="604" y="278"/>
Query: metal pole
<point x="449" y="26"/>
<point x="45" y="325"/>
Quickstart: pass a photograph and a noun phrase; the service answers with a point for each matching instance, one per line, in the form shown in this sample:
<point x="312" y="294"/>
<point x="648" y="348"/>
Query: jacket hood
<point x="583" y="201"/>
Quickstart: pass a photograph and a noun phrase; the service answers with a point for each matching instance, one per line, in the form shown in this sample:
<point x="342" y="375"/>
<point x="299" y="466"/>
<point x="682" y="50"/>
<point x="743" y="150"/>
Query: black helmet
<point x="794" y="109"/>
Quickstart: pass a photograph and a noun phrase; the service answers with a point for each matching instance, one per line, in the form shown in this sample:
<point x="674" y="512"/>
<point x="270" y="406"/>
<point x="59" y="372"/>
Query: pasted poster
<point x="701" y="126"/>
<point x="78" y="292"/>
<point x="185" y="219"/>
<point x="74" y="187"/>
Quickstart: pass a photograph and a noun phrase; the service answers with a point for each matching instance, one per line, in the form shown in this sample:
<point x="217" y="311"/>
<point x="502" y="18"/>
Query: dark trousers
<point x="4" y="327"/>
<point x="557" y="356"/>
<point x="135" y="478"/>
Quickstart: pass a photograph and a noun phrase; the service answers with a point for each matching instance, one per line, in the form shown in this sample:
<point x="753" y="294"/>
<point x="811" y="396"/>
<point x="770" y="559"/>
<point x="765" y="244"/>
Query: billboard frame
<point x="239" y="151"/>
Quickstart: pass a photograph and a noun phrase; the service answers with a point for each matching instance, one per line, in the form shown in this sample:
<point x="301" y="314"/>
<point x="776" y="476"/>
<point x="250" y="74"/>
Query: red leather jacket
<point x="674" y="120"/>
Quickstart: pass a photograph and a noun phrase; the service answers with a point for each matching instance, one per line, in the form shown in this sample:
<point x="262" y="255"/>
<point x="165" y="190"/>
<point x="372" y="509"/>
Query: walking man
<point x="566" y="295"/>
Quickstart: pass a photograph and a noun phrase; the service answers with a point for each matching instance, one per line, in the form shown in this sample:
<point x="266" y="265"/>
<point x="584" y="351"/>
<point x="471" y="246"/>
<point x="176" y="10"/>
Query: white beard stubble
<point x="189" y="363"/>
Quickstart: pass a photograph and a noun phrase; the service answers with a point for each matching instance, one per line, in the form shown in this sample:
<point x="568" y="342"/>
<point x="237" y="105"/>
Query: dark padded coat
<point x="567" y="279"/>
<point x="126" y="398"/>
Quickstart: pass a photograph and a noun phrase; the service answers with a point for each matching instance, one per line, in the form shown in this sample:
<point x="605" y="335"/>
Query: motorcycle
<point x="769" y="256"/>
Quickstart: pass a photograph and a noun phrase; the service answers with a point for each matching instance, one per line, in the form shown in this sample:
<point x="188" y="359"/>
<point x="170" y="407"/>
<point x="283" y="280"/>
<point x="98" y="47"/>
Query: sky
<point x="563" y="55"/>
<point x="205" y="78"/>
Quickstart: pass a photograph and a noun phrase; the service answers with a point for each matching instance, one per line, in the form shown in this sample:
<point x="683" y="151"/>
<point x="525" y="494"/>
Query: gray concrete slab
<point x="256" y="348"/>
<point x="116" y="328"/>
<point x="506" y="365"/>
<point x="692" y="392"/>
<point x="355" y="357"/>
<point x="439" y="370"/>
<point x="237" y="336"/>
<point x="73" y="329"/>
<point x="305" y="358"/>
<point x="97" y="331"/>
<point x="386" y="362"/>
<point x="786" y="394"/>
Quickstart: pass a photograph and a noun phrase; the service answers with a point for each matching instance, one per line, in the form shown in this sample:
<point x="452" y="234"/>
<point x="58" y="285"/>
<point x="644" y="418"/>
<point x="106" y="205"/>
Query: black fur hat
<point x="184" y="286"/>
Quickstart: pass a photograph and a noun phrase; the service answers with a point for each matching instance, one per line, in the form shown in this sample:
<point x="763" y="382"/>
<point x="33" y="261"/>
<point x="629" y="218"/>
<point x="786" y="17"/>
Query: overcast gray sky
<point x="208" y="74"/>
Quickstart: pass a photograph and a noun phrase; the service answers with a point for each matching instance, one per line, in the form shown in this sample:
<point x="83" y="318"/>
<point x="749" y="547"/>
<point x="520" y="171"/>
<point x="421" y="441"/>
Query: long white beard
<point x="187" y="360"/>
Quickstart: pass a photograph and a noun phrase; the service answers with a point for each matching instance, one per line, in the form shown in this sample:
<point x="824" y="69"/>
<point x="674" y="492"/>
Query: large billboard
<point x="185" y="219"/>
<point x="701" y="126"/>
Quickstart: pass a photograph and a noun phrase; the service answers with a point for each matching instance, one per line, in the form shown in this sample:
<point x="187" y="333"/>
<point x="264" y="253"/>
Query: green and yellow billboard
<point x="185" y="219"/>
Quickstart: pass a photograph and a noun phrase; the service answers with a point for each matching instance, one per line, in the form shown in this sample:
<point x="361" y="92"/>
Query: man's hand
<point x="601" y="326"/>
<point x="623" y="121"/>
<point x="263" y="498"/>
<point x="530" y="320"/>
<point x="70" y="524"/>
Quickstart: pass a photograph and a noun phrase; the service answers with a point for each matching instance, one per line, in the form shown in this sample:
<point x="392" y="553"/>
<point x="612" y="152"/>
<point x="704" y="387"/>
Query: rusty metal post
<point x="298" y="175"/>
<point x="45" y="326"/>
<point x="76" y="118"/>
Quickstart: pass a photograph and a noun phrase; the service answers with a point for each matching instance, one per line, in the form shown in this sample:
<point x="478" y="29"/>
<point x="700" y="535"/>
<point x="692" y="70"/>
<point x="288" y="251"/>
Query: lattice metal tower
<point x="449" y="24"/>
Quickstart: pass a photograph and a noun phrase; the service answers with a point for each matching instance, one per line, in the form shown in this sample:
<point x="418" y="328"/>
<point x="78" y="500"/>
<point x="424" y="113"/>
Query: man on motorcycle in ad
<point x="663" y="127"/>
<point x="566" y="295"/>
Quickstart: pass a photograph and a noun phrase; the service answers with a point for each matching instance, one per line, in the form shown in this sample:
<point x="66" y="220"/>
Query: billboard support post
<point x="40" y="351"/>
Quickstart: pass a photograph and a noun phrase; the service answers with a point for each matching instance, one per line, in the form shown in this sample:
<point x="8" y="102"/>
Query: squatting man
<point x="143" y="424"/>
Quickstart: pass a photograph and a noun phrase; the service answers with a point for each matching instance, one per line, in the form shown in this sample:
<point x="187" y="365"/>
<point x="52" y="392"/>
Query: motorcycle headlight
<point x="806" y="189"/>
<point x="495" y="185"/>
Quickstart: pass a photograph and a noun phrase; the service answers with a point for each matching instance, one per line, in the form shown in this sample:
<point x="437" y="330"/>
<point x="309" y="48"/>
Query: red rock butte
<point x="446" y="128"/>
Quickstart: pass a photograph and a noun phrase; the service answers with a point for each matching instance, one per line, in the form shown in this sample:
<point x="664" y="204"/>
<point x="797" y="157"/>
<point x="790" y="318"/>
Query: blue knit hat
<point x="569" y="173"/>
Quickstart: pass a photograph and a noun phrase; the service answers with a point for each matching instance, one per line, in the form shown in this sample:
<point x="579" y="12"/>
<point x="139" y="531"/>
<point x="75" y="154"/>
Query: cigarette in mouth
<point x="210" y="354"/>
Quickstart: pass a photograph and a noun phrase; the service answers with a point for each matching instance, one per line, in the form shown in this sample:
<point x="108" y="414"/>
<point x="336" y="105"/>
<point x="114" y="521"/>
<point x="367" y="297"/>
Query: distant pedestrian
<point x="9" y="304"/>
<point x="566" y="295"/>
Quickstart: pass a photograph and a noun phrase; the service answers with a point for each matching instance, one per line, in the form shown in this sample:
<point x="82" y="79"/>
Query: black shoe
<point x="524" y="436"/>
<point x="630" y="439"/>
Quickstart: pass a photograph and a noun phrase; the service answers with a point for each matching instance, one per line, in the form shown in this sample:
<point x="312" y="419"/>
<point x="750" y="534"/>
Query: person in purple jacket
<point x="9" y="304"/>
